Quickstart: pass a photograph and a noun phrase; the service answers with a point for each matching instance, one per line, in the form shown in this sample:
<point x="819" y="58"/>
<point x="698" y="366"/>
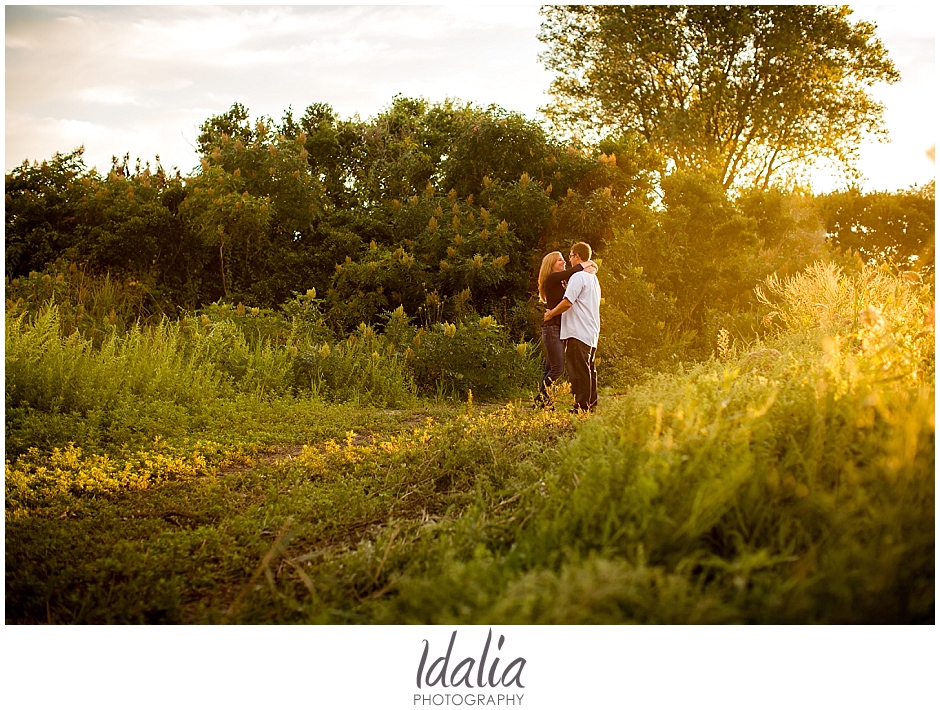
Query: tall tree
<point x="747" y="93"/>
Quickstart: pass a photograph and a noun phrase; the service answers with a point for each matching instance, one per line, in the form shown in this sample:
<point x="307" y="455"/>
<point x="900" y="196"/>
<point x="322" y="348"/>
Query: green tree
<point x="253" y="201"/>
<point x="330" y="144"/>
<point x="126" y="225"/>
<point x="747" y="93"/>
<point x="699" y="246"/>
<point x="43" y="210"/>
<point x="446" y="208"/>
<point x="676" y="272"/>
<point x="125" y="222"/>
<point x="894" y="226"/>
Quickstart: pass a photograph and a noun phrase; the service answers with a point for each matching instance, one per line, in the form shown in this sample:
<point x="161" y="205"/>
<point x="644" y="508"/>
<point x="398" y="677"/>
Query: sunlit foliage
<point x="743" y="92"/>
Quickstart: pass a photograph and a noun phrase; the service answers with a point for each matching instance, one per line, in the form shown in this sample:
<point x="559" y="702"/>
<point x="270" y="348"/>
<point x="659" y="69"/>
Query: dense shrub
<point x="473" y="354"/>
<point x="93" y="305"/>
<point x="64" y="388"/>
<point x="363" y="368"/>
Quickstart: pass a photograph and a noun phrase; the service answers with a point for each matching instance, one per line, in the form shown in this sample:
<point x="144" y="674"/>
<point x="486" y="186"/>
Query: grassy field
<point x="291" y="527"/>
<point x="787" y="481"/>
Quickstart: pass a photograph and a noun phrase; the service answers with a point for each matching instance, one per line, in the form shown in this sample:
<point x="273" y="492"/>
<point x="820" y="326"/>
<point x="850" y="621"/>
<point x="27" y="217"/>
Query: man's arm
<point x="557" y="310"/>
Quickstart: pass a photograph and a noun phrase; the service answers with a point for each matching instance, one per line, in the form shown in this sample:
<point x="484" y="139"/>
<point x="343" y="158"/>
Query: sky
<point x="142" y="79"/>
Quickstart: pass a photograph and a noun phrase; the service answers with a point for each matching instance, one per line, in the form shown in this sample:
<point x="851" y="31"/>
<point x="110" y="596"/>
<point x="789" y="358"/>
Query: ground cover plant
<point x="782" y="480"/>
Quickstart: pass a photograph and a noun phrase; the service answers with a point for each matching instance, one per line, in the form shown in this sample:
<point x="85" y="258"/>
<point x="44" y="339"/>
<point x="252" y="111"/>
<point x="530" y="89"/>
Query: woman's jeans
<point x="553" y="348"/>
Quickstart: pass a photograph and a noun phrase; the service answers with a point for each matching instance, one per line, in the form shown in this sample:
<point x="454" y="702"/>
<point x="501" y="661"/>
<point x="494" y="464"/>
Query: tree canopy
<point x="883" y="226"/>
<point x="432" y="207"/>
<point x="747" y="93"/>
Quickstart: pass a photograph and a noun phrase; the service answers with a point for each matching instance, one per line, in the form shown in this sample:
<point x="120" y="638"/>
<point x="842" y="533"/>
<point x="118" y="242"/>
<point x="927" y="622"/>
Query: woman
<point x="553" y="279"/>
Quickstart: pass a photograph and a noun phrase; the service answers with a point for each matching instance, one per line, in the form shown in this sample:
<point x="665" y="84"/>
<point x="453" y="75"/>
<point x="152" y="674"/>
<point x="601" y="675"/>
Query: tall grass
<point x="59" y="389"/>
<point x="92" y="305"/>
<point x="115" y="382"/>
<point x="791" y="493"/>
<point x="792" y="483"/>
<point x="51" y="373"/>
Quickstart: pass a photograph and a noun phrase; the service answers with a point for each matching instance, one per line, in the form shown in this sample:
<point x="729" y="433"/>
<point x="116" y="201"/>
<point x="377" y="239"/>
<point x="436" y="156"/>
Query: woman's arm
<point x="590" y="266"/>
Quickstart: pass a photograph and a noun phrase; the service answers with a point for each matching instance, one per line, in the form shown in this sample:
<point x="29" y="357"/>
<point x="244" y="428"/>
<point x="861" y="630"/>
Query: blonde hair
<point x="548" y="265"/>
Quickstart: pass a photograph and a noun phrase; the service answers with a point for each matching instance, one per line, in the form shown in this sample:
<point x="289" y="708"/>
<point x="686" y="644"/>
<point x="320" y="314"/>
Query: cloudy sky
<point x="140" y="80"/>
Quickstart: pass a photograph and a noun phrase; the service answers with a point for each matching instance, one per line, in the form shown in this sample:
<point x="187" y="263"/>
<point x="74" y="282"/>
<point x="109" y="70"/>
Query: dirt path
<point x="359" y="439"/>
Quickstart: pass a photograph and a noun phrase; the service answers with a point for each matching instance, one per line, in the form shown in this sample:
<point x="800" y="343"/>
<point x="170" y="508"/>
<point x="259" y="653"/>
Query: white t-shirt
<point x="583" y="319"/>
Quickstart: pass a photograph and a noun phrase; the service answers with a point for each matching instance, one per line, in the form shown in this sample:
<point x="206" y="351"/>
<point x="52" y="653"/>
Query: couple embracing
<point x="571" y="324"/>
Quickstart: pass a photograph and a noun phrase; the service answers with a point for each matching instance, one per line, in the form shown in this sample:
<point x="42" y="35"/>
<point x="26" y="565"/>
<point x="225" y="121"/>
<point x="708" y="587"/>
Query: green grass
<point x="790" y="481"/>
<point x="351" y="515"/>
<point x="224" y="544"/>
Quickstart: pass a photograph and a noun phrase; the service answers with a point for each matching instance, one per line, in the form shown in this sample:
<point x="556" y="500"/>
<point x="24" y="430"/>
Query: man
<point x="580" y="329"/>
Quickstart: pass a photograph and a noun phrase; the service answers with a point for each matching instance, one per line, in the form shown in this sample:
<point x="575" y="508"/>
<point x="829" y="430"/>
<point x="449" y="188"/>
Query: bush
<point x="364" y="369"/>
<point x="89" y="304"/>
<point x="473" y="354"/>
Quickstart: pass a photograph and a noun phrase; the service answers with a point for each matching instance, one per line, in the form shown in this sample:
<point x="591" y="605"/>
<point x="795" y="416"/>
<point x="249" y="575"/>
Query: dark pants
<point x="579" y="359"/>
<point x="554" y="350"/>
